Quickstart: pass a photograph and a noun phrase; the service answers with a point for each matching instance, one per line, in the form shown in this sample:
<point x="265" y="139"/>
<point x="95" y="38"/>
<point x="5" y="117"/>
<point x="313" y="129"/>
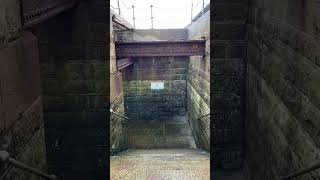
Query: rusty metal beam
<point x="124" y="62"/>
<point x="160" y="48"/>
<point x="35" y="11"/>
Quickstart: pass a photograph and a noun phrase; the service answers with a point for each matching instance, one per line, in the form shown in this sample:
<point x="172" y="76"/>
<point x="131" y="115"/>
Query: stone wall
<point x="153" y="111"/>
<point x="74" y="78"/>
<point x="140" y="101"/>
<point x="198" y="84"/>
<point x="21" y="118"/>
<point x="118" y="136"/>
<point x="157" y="116"/>
<point x="227" y="81"/>
<point x="283" y="87"/>
<point x="10" y="21"/>
<point x="143" y="103"/>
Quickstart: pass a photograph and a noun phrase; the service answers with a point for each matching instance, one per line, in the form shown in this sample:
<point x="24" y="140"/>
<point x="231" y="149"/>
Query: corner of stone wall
<point x="228" y="82"/>
<point x="74" y="87"/>
<point x="283" y="88"/>
<point x="118" y="130"/>
<point x="21" y="117"/>
<point x="10" y="22"/>
<point x="198" y="84"/>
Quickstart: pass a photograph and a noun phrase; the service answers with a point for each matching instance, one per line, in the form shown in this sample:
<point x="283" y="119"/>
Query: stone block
<point x="97" y="12"/>
<point x="10" y="22"/>
<point x="19" y="71"/>
<point x="300" y="72"/>
<point x="225" y="101"/>
<point x="84" y="71"/>
<point x="98" y="32"/>
<point x="66" y="51"/>
<point x="85" y="86"/>
<point x="227" y="67"/>
<point x="219" y="52"/>
<point x="227" y="85"/>
<point x="273" y="119"/>
<point x="96" y="51"/>
<point x="235" y="51"/>
<point x="76" y="119"/>
<point x="177" y="129"/>
<point x="85" y="102"/>
<point x="51" y="86"/>
<point x="44" y="54"/>
<point x="229" y="31"/>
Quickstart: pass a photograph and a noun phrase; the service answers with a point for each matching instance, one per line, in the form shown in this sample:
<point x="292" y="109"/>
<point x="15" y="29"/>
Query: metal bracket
<point x="117" y="114"/>
<point x="5" y="158"/>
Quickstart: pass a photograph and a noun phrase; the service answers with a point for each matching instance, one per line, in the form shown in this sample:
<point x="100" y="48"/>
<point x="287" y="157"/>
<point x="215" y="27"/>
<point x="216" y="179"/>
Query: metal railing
<point x="313" y="167"/>
<point x="203" y="116"/>
<point x="117" y="114"/>
<point x="5" y="158"/>
<point x="201" y="125"/>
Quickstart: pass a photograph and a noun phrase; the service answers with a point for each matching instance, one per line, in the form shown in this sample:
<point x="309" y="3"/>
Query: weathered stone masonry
<point x="74" y="81"/>
<point x="227" y="81"/>
<point x="158" y="116"/>
<point x="153" y="104"/>
<point x="283" y="87"/>
<point x="137" y="79"/>
<point x="20" y="99"/>
<point x="118" y="131"/>
<point x="280" y="42"/>
<point x="198" y="84"/>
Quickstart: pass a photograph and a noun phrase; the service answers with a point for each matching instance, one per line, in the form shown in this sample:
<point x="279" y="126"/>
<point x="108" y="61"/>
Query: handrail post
<point x="115" y="113"/>
<point x="5" y="158"/>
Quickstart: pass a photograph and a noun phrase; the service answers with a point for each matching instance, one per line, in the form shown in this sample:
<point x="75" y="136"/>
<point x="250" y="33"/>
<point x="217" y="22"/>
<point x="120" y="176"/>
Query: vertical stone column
<point x="21" y="118"/>
<point x="283" y="88"/>
<point x="198" y="84"/>
<point x="228" y="82"/>
<point x="74" y="76"/>
<point x="118" y="134"/>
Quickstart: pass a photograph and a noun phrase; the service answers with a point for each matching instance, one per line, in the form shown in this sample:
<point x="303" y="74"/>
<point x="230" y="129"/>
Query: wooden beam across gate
<point x="160" y="48"/>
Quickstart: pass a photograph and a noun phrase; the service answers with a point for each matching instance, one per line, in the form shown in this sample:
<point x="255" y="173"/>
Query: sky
<point x="168" y="14"/>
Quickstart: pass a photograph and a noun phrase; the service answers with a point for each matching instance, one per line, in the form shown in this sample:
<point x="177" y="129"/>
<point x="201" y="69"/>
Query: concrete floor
<point x="161" y="164"/>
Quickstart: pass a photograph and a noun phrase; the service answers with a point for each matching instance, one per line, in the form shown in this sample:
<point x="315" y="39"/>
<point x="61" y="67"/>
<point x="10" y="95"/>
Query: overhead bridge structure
<point x="35" y="11"/>
<point x="160" y="48"/>
<point x="127" y="50"/>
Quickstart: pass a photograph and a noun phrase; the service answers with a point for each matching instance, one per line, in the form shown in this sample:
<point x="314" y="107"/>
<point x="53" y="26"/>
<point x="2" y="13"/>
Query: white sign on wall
<point x="157" y="85"/>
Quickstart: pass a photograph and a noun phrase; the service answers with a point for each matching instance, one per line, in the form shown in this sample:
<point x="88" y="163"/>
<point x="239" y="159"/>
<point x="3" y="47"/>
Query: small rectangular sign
<point x="157" y="85"/>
